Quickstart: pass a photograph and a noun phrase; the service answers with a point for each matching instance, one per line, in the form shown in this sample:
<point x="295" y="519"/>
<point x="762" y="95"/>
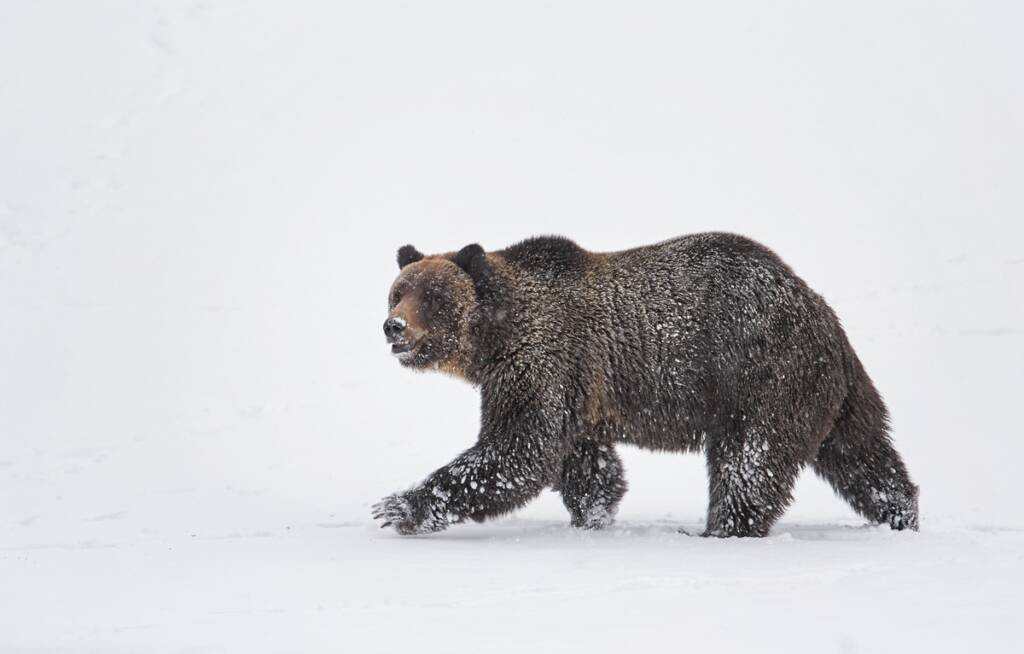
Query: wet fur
<point x="708" y="342"/>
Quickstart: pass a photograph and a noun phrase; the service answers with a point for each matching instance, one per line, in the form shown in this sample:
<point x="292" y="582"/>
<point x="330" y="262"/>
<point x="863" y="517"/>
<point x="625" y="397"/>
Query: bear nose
<point x="393" y="328"/>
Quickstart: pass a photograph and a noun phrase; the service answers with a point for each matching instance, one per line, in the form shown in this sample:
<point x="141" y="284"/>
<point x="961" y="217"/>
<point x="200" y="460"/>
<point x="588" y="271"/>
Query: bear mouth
<point x="403" y="348"/>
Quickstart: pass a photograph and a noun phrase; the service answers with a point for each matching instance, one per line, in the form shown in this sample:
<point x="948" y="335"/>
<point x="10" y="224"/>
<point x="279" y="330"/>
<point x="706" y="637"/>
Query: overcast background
<point x="200" y="204"/>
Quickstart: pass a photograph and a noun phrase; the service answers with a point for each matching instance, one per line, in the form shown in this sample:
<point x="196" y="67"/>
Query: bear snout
<point x="394" y="328"/>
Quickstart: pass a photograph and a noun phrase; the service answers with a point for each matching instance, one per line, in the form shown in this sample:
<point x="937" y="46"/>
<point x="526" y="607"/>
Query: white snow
<point x="200" y="205"/>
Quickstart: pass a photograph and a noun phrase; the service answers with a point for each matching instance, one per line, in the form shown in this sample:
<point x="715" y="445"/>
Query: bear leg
<point x="858" y="460"/>
<point x="591" y="484"/>
<point x="750" y="485"/>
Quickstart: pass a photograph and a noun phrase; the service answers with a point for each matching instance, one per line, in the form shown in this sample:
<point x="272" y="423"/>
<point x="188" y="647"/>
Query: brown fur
<point x="416" y="281"/>
<point x="705" y="342"/>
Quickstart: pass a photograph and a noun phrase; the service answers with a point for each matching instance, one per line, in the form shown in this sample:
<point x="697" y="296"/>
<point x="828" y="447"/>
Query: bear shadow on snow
<point x="707" y="342"/>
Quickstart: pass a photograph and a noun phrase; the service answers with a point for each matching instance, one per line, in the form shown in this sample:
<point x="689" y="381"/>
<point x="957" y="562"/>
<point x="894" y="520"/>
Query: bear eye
<point x="395" y="297"/>
<point x="434" y="298"/>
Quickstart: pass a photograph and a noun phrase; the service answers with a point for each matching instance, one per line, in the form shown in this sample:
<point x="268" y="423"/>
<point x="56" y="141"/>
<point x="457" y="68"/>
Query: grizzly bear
<point x="707" y="342"/>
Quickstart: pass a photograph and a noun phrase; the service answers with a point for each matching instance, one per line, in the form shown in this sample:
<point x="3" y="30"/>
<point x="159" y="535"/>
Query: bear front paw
<point x="410" y="513"/>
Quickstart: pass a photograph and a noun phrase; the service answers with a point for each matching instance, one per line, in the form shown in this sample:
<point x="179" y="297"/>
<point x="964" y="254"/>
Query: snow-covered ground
<point x="199" y="208"/>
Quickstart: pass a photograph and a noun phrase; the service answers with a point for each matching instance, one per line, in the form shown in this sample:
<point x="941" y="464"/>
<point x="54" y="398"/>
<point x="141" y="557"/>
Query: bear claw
<point x="400" y="512"/>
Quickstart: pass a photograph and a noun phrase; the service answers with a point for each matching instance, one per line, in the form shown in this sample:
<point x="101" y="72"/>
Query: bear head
<point x="430" y="306"/>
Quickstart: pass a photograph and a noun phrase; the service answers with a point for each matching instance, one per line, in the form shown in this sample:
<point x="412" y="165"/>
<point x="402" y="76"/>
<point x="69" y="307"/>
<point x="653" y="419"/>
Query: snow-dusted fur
<point x="705" y="342"/>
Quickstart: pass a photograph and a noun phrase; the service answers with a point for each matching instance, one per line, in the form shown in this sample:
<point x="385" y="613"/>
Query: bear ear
<point x="470" y="258"/>
<point x="408" y="254"/>
<point x="473" y="260"/>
